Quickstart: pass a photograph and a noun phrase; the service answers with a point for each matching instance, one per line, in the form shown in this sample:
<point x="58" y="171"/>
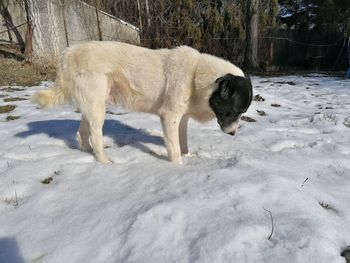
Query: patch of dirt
<point x="247" y="119"/>
<point x="12" y="89"/>
<point x="14" y="72"/>
<point x="292" y="83"/>
<point x="14" y="99"/>
<point x="47" y="180"/>
<point x="118" y="113"/>
<point x="12" y="117"/>
<point x="347" y="122"/>
<point x="275" y="105"/>
<point x="7" y="108"/>
<point x="257" y="97"/>
<point x="261" y="112"/>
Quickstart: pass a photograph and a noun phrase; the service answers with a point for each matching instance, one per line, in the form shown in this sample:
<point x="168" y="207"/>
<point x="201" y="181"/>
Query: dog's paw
<point x="176" y="160"/>
<point x="107" y="161"/>
<point x="83" y="144"/>
<point x="189" y="155"/>
<point x="104" y="160"/>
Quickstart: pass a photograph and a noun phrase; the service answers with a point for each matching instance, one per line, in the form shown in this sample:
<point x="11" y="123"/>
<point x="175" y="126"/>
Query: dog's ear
<point x="226" y="88"/>
<point x="228" y="77"/>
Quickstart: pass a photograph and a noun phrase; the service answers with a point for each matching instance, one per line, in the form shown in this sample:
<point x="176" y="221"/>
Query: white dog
<point x="176" y="84"/>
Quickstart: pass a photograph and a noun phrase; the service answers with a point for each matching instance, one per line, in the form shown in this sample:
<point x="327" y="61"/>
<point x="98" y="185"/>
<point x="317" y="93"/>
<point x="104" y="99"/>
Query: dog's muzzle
<point x="231" y="130"/>
<point x="232" y="133"/>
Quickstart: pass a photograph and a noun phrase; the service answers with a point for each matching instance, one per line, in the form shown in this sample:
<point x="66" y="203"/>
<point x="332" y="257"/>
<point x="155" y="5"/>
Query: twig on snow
<point x="272" y="224"/>
<point x="307" y="178"/>
<point x="16" y="199"/>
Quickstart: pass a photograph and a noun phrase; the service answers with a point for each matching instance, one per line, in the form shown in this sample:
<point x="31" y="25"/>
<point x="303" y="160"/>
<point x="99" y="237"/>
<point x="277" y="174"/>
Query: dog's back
<point x="136" y="77"/>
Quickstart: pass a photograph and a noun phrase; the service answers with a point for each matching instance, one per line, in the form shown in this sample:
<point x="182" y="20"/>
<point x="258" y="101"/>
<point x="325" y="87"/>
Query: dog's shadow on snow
<point x="121" y="133"/>
<point x="10" y="251"/>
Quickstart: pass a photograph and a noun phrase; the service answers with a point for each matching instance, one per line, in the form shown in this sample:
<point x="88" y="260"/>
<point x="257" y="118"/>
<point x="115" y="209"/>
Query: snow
<point x="293" y="162"/>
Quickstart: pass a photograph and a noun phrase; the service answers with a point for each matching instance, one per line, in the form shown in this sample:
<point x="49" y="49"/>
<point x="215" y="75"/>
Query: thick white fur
<point x="173" y="83"/>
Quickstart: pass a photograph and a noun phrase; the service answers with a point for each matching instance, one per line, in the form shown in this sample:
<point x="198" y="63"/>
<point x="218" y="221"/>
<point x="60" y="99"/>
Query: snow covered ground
<point x="58" y="205"/>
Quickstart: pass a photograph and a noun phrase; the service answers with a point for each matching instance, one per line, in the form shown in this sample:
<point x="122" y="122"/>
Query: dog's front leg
<point x="170" y="124"/>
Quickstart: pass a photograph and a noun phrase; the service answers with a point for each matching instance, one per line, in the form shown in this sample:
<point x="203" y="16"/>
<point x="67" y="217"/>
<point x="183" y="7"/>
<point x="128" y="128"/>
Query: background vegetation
<point x="232" y="29"/>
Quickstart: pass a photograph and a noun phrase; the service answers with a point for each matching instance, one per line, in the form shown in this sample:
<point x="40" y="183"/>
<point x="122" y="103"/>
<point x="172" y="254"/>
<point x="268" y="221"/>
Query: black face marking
<point x="231" y="99"/>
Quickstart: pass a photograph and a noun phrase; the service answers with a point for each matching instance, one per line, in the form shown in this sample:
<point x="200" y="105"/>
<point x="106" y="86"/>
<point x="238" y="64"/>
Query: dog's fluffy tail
<point x="50" y="97"/>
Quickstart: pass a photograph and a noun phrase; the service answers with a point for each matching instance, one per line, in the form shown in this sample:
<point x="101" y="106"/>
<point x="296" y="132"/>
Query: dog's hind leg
<point x="91" y="96"/>
<point x="183" y="135"/>
<point x="83" y="135"/>
<point x="95" y="117"/>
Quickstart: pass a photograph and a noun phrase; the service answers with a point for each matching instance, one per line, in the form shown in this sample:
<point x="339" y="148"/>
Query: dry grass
<point x="7" y="108"/>
<point x="12" y="117"/>
<point x="247" y="119"/>
<point x="12" y="89"/>
<point x="13" y="72"/>
<point x="47" y="180"/>
<point x="14" y="99"/>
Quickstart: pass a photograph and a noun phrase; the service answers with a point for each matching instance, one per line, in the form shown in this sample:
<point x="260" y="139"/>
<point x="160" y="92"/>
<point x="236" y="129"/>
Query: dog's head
<point x="231" y="99"/>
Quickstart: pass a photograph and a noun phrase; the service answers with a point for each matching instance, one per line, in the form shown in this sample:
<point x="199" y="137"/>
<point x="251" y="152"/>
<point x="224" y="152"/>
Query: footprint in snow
<point x="286" y="145"/>
<point x="347" y="122"/>
<point x="212" y="162"/>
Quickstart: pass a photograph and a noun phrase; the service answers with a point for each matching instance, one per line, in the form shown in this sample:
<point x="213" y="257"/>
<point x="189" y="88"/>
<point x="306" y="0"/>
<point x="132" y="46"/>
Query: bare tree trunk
<point x="64" y="22"/>
<point x="139" y="9"/>
<point x="9" y="24"/>
<point x="28" y="51"/>
<point x="148" y="15"/>
<point x="97" y="10"/>
<point x="251" y="50"/>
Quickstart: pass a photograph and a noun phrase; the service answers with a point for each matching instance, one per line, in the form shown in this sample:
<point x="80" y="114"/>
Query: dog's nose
<point x="232" y="133"/>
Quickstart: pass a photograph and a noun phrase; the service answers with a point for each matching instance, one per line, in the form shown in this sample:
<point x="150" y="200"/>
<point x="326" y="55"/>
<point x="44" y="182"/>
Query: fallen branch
<point x="272" y="224"/>
<point x="307" y="178"/>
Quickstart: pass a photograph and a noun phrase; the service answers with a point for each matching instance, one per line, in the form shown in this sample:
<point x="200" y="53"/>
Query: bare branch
<point x="307" y="178"/>
<point x="272" y="224"/>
